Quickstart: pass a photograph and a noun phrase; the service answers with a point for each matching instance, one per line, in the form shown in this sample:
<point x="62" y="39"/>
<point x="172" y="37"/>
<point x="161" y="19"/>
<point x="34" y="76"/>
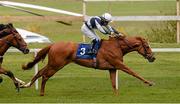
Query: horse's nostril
<point x="26" y="51"/>
<point x="152" y="59"/>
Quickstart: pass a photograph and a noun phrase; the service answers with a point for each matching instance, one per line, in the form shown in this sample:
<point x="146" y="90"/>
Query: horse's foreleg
<point x="11" y="75"/>
<point x="113" y="80"/>
<point x="119" y="65"/>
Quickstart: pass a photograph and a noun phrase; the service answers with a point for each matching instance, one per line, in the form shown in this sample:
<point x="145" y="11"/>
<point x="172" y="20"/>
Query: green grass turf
<point x="76" y="84"/>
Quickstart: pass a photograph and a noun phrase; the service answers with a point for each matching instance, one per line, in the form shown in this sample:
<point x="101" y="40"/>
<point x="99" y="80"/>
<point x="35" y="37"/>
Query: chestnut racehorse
<point x="109" y="57"/>
<point x="10" y="37"/>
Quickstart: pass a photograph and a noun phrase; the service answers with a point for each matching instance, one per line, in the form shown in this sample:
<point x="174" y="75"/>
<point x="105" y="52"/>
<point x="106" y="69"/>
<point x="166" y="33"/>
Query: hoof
<point x="116" y="94"/>
<point x="41" y="94"/>
<point x="17" y="87"/>
<point x="151" y="84"/>
<point x="24" y="67"/>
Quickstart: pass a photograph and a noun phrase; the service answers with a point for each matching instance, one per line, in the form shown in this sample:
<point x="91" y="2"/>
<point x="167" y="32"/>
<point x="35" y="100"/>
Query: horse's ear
<point x="10" y="24"/>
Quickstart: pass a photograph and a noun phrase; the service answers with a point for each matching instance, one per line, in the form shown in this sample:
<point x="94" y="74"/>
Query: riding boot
<point x="94" y="47"/>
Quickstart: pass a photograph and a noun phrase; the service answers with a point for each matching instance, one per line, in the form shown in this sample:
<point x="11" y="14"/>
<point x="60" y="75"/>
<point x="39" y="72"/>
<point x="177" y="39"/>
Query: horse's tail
<point x="40" y="56"/>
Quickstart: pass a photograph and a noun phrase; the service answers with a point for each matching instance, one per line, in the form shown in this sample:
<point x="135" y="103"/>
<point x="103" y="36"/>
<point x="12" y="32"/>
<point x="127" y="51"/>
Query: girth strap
<point x="95" y="63"/>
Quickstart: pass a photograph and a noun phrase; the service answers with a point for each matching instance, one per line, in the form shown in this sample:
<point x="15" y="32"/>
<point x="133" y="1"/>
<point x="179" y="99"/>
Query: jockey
<point x="100" y="23"/>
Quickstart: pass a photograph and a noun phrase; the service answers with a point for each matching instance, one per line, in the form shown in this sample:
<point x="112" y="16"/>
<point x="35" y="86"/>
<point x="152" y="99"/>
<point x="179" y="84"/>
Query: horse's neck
<point x="126" y="45"/>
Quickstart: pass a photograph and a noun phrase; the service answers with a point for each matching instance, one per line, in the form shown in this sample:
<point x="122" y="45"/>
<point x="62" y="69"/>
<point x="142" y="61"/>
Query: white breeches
<point x="89" y="33"/>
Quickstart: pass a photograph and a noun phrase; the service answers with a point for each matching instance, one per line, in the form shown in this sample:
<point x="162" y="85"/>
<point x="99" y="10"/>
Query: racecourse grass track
<point x="76" y="84"/>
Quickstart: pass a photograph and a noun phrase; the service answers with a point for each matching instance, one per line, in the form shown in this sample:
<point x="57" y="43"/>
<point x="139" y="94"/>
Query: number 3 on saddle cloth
<point x="83" y="49"/>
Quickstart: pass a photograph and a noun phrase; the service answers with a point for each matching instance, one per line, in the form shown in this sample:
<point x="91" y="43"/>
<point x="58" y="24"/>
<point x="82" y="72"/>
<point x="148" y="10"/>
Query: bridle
<point x="132" y="47"/>
<point x="145" y="51"/>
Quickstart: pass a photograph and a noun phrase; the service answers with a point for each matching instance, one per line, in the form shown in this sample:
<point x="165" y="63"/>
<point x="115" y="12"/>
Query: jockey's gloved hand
<point x="111" y="33"/>
<point x="120" y="34"/>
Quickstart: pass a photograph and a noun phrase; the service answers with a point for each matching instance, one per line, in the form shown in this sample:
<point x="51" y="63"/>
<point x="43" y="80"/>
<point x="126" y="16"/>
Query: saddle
<point x="82" y="51"/>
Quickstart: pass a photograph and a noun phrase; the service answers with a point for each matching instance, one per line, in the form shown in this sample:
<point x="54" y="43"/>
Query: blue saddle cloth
<point x="82" y="52"/>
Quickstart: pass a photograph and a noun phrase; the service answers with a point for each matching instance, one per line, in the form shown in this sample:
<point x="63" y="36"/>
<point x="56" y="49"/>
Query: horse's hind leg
<point x="50" y="72"/>
<point x="11" y="75"/>
<point x="38" y="75"/>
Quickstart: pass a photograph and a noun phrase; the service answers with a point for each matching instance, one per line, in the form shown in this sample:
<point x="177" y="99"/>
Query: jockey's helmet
<point x="107" y="17"/>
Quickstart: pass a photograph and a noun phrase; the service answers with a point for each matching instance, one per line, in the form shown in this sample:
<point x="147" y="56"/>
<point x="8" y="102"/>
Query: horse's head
<point x="134" y="44"/>
<point x="144" y="49"/>
<point x="14" y="39"/>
